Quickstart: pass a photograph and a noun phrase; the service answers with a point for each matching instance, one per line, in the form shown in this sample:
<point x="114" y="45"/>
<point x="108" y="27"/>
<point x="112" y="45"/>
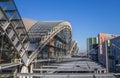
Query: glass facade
<point x="57" y="46"/>
<point x="114" y="55"/>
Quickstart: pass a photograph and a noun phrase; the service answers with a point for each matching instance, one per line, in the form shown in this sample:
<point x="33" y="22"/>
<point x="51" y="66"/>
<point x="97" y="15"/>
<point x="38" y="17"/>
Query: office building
<point x="102" y="37"/>
<point x="92" y="48"/>
<point x="114" y="62"/>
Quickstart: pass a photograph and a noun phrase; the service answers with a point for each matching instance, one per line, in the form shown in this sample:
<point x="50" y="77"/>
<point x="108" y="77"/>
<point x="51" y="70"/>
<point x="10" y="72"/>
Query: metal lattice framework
<point x="55" y="29"/>
<point x="12" y="26"/>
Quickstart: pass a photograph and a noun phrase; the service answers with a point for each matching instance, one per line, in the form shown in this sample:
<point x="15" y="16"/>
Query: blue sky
<point x="87" y="17"/>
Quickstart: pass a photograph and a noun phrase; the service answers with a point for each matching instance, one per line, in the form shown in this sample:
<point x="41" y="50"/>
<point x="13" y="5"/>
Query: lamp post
<point x="106" y="47"/>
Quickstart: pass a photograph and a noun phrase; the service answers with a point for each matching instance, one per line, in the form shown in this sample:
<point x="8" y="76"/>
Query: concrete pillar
<point x="24" y="70"/>
<point x="31" y="70"/>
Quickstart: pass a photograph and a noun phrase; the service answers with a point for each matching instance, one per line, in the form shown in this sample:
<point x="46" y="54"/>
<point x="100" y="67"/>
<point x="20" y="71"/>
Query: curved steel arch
<point x="74" y="43"/>
<point x="45" y="39"/>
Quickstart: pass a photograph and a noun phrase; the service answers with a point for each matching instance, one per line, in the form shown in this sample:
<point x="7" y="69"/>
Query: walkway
<point x="71" y="68"/>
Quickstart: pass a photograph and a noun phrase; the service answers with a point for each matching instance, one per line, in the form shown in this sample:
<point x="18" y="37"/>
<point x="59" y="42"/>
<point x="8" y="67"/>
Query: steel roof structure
<point x="12" y="25"/>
